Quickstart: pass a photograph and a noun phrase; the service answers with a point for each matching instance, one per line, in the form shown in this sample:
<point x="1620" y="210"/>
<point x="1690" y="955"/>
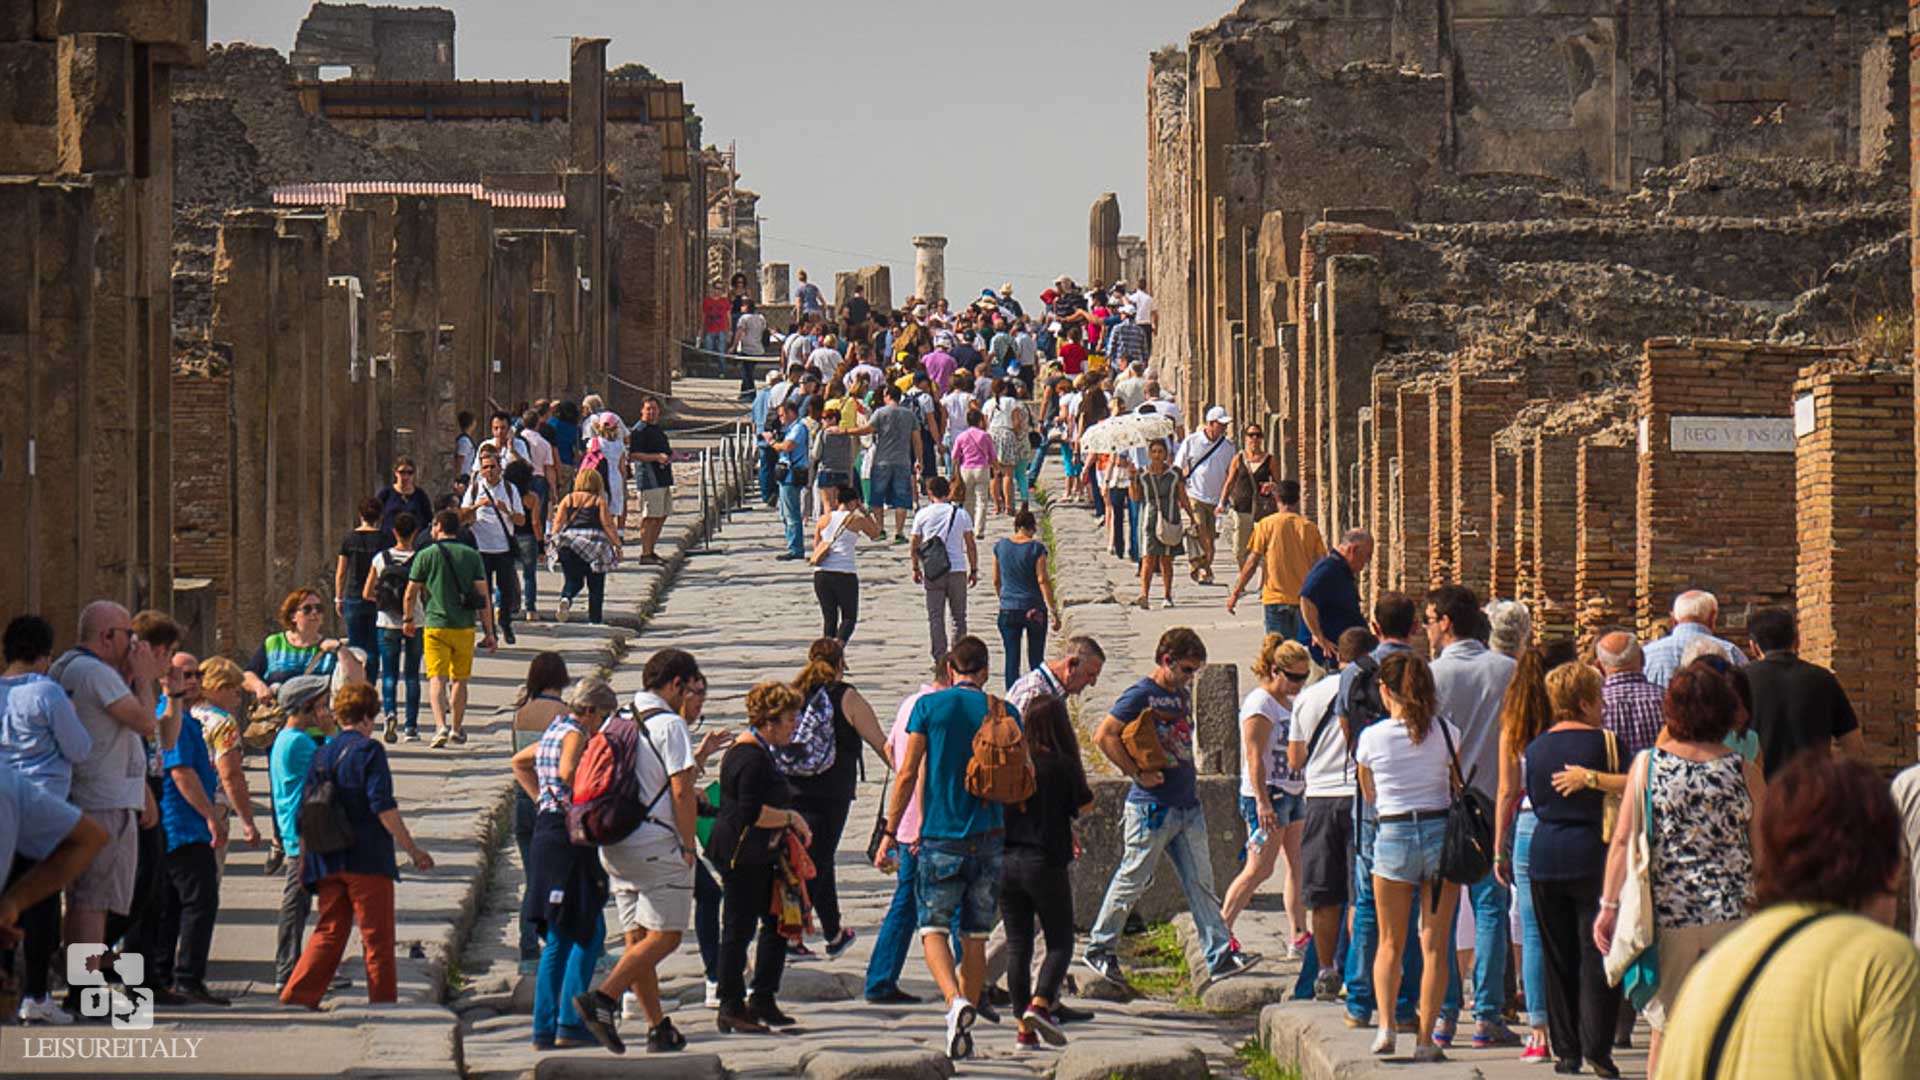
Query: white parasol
<point x="1128" y="431"/>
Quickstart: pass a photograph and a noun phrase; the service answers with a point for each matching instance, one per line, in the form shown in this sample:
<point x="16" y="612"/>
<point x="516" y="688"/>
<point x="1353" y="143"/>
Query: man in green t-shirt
<point x="451" y="579"/>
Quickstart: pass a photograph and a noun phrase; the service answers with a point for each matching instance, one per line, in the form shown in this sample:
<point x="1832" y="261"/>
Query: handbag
<point x="1633" y="957"/>
<point x="1467" y="853"/>
<point x="1141" y="739"/>
<point x="1169" y="530"/>
<point x="825" y="547"/>
<point x="1610" y="803"/>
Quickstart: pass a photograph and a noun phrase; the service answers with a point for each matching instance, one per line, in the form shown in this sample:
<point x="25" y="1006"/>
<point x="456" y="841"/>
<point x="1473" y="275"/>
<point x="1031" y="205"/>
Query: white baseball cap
<point x="1218" y="415"/>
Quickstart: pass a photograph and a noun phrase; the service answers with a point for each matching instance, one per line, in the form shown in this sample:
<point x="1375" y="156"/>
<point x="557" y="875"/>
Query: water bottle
<point x="1259" y="837"/>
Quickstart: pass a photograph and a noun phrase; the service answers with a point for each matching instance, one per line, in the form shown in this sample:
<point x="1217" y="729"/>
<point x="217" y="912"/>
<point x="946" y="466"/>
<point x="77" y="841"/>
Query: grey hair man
<point x="1512" y="627"/>
<point x="1630" y="705"/>
<point x="1330" y="596"/>
<point x="1078" y="667"/>
<point x="1696" y="615"/>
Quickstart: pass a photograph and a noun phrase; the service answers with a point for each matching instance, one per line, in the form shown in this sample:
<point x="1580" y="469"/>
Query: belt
<point x="1414" y="816"/>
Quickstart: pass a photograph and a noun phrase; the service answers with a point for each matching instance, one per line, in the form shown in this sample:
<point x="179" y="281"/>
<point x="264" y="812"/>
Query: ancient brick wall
<point x="1481" y="404"/>
<point x="1440" y="481"/>
<point x="1412" y="520"/>
<point x="202" y="478"/>
<point x="1854" y="483"/>
<point x="1605" y="490"/>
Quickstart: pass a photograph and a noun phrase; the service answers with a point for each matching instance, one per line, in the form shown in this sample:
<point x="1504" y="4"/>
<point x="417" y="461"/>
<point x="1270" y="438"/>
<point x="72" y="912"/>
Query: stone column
<point x="243" y="319"/>
<point x="587" y="124"/>
<point x="775" y="285"/>
<point x="1133" y="259"/>
<point x="929" y="267"/>
<point x="1103" y="240"/>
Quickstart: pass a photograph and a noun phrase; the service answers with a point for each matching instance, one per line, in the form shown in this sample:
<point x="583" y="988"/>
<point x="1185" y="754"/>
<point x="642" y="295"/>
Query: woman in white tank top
<point x="836" y="584"/>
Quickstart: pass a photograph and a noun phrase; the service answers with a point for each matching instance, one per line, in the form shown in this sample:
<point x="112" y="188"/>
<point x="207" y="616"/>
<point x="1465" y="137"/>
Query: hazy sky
<point x="865" y="122"/>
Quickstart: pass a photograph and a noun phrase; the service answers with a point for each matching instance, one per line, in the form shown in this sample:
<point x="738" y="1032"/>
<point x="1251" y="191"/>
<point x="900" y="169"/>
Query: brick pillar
<point x="1605" y="487"/>
<point x="1854" y="484"/>
<point x="1500" y="519"/>
<point x="1553" y="532"/>
<point x="1411" y="558"/>
<point x="341" y="490"/>
<point x="416" y="311"/>
<point x="1380" y="459"/>
<point x="320" y="526"/>
<point x="62" y="549"/>
<point x="464" y="233"/>
<point x="111" y="393"/>
<point x="1482" y="405"/>
<point x="1440" y="454"/>
<point x="243" y="322"/>
<point x="1356" y="339"/>
<point x="1521" y="526"/>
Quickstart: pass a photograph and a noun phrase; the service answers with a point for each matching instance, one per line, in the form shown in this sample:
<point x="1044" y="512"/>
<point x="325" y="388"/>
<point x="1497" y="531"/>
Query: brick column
<point x="1605" y="487"/>
<point x="1356" y="339"/>
<point x="1412" y="516"/>
<point x="1380" y="456"/>
<point x="1521" y="525"/>
<point x="1553" y="532"/>
<point x="1483" y="403"/>
<point x="1501" y="518"/>
<point x="243" y="320"/>
<point x="1440" y="447"/>
<point x="1854" y="484"/>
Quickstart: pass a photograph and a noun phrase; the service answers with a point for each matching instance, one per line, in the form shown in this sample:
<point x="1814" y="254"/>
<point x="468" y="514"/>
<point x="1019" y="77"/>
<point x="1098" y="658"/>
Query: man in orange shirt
<point x="1284" y="546"/>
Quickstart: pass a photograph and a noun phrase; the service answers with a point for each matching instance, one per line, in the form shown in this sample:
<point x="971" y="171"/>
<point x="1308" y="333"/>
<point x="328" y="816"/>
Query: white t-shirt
<point x="839" y="556"/>
<point x="1002" y="413"/>
<point x="517" y="449"/>
<point x="492" y="529"/>
<point x="1128" y="392"/>
<point x="825" y="361"/>
<point x="874" y="376"/>
<point x="1260" y="703"/>
<point x="1326" y="770"/>
<point x="1205" y="479"/>
<point x="401" y="558"/>
<point x="658" y="836"/>
<point x="931" y="522"/>
<point x="1142" y="307"/>
<point x="1406" y="776"/>
<point x="795" y="350"/>
<point x="957" y="402"/>
<point x="1166" y="407"/>
<point x="539" y="451"/>
<point x="1070" y="405"/>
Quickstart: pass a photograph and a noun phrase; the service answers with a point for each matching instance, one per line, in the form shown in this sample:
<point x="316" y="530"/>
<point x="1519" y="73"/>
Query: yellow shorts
<point x="448" y="652"/>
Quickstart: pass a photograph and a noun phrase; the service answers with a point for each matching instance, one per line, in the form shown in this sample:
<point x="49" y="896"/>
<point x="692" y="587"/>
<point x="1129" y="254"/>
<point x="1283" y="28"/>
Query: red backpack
<point x="606" y="787"/>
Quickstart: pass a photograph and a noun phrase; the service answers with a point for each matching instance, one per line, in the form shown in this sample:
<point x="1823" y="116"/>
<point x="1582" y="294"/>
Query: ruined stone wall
<point x="389" y="43"/>
<point x="1169" y="242"/>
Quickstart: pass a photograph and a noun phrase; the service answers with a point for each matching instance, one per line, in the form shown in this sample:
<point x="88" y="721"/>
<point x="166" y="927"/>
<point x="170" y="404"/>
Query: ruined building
<point x="1522" y="289"/>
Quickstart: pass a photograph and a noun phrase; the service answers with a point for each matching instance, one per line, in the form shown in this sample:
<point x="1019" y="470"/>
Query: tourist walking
<point x="1330" y="595"/>
<point x="1148" y="735"/>
<point x="1166" y="502"/>
<point x="354" y="884"/>
<point x="790" y="474"/>
<point x="566" y="894"/>
<point x="386" y="589"/>
<point x="1035" y="885"/>
<point x="897" y="926"/>
<point x="836" y="577"/>
<point x="895" y="458"/>
<point x="1249" y="490"/>
<point x="942" y="535"/>
<point x="1817" y="982"/>
<point x="1797" y="706"/>
<point x="403" y="496"/>
<point x="493" y="510"/>
<point x="1283" y="548"/>
<point x="535" y="708"/>
<point x="1526" y="712"/>
<point x="748" y="841"/>
<point x="528" y="535"/>
<point x="1023" y="581"/>
<point x="357" y="552"/>
<point x="1204" y="460"/>
<point x="303" y="699"/>
<point x="447" y="582"/>
<point x="1695" y="614"/>
<point x="822" y="762"/>
<point x="1405" y="772"/>
<point x="975" y="461"/>
<point x="1317" y="752"/>
<point x="1702" y="796"/>
<point x="586" y="545"/>
<point x="1118" y="480"/>
<point x="652" y="457"/>
<point x="1271" y="792"/>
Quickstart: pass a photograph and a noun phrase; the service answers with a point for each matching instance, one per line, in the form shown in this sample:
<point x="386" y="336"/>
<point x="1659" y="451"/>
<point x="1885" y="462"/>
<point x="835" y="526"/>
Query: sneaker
<point x="413" y="734"/>
<point x="1536" y="1050"/>
<point x="1066" y="1014"/>
<point x="1428" y="1053"/>
<point x="896" y="996"/>
<point x="839" y="945"/>
<point x="1494" y="1033"/>
<point x="439" y="740"/>
<point x="1443" y="1033"/>
<point x="663" y="1038"/>
<point x="1233" y="963"/>
<point x="1358" y="1023"/>
<point x="599" y="1014"/>
<point x="785" y="556"/>
<point x="1166" y="604"/>
<point x="1233" y="942"/>
<point x="797" y="951"/>
<point x="566" y="609"/>
<point x="1298" y="945"/>
<point x="960" y="1017"/>
<point x="276" y="858"/>
<point x="899" y="538"/>
<point x="1107" y="966"/>
<point x="713" y="994"/>
<point x="460" y="736"/>
<point x="1040" y="1020"/>
<point x="1025" y="1039"/>
<point x="1326" y="985"/>
<point x="986" y="1010"/>
<point x="392" y="734"/>
<point x="630" y="1007"/>
<point x="1382" y="1043"/>
<point x="42" y="1010"/>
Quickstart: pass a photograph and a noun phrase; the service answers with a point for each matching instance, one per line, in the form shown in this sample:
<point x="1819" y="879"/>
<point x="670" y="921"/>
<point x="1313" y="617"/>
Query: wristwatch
<point x="1593" y="779"/>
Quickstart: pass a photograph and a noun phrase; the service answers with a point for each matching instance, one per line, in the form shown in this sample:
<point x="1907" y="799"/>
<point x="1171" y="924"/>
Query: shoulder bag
<point x="1633" y="958"/>
<point x="1467" y="854"/>
<point x="825" y="547"/>
<point x="935" y="560"/>
<point x="1169" y="530"/>
<point x="325" y="828"/>
<point x="1610" y="803"/>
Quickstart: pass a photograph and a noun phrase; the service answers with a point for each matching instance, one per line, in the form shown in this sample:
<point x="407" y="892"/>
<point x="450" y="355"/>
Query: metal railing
<point x="723" y="473"/>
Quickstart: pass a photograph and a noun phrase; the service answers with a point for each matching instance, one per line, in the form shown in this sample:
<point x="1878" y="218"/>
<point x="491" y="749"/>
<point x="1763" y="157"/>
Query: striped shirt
<point x="555" y="794"/>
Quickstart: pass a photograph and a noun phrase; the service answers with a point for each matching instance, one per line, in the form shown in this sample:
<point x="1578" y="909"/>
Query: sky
<point x="996" y="123"/>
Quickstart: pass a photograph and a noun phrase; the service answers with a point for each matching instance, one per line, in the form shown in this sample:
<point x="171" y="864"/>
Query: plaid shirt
<point x="1631" y="709"/>
<point x="1127" y="342"/>
<point x="555" y="793"/>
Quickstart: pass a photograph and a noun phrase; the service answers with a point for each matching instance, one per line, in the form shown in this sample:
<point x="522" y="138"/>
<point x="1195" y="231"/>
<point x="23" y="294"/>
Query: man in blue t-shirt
<point x="960" y="835"/>
<point x="1163" y="811"/>
<point x="1330" y="595"/>
<point x="194" y="826"/>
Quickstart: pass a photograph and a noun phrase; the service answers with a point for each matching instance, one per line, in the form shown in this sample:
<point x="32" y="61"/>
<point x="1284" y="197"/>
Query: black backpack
<point x="390" y="588"/>
<point x="1364" y="703"/>
<point x="324" y="827"/>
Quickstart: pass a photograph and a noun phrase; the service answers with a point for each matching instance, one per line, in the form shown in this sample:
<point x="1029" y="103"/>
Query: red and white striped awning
<point x="335" y="193"/>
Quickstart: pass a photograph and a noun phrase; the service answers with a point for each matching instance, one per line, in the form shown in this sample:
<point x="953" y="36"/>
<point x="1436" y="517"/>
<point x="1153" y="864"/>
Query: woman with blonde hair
<point x="1272" y="795"/>
<point x="1406" y="773"/>
<point x="612" y="446"/>
<point x="1525" y="712"/>
<point x="585" y="543"/>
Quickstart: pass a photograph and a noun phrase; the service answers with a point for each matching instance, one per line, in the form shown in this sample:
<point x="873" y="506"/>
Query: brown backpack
<point x="1141" y="737"/>
<point x="1000" y="770"/>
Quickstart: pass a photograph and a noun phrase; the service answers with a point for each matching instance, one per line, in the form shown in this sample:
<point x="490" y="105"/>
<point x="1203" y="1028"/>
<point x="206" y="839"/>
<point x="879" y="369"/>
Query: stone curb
<point x="1311" y="1037"/>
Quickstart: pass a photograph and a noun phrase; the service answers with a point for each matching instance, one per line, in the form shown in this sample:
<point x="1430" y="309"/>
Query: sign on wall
<point x="1730" y="434"/>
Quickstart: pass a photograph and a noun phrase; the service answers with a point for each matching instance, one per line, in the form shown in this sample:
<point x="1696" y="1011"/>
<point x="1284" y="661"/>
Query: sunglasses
<point x="310" y="609"/>
<point x="1187" y="669"/>
<point x="193" y="676"/>
<point x="1296" y="676"/>
<point x="1255" y="435"/>
<point x="403" y="472"/>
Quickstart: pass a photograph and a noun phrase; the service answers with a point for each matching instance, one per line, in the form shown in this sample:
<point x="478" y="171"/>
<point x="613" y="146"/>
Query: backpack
<point x="936" y="559"/>
<point x="1364" y="703"/>
<point x="323" y="824"/>
<point x="390" y="588"/>
<point x="811" y="750"/>
<point x="606" y="786"/>
<point x="597" y="461"/>
<point x="1001" y="770"/>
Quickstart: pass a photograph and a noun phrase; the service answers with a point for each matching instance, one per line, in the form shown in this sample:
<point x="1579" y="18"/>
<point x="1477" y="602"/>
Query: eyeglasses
<point x="190" y="675"/>
<point x="127" y="630"/>
<point x="310" y="609"/>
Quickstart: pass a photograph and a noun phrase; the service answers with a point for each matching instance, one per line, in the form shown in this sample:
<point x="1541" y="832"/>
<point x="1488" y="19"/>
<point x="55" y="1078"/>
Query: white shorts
<point x="652" y="887"/>
<point x="656" y="503"/>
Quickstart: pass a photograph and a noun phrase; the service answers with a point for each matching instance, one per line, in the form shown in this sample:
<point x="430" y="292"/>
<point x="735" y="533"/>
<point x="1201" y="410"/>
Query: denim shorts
<point x="1288" y="808"/>
<point x="1409" y="851"/>
<point x="890" y="487"/>
<point x="960" y="876"/>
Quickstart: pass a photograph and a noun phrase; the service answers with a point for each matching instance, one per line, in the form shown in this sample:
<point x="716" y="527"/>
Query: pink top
<point x="939" y="364"/>
<point x="973" y="449"/>
<point x="909" y="830"/>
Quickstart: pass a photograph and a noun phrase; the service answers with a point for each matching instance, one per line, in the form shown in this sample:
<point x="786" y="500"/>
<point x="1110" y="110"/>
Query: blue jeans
<point x="1282" y="619"/>
<point x="766" y="475"/>
<point x="1490" y="943"/>
<point x="526" y="551"/>
<point x="959" y="881"/>
<point x="363" y="632"/>
<point x="790" y="518"/>
<point x="1013" y="626"/>
<point x="1366" y="938"/>
<point x="715" y="342"/>
<point x="1533" y="957"/>
<point x="895" y="939"/>
<point x="400" y="658"/>
<point x="566" y="969"/>
<point x="1180" y="832"/>
<point x="891" y="487"/>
